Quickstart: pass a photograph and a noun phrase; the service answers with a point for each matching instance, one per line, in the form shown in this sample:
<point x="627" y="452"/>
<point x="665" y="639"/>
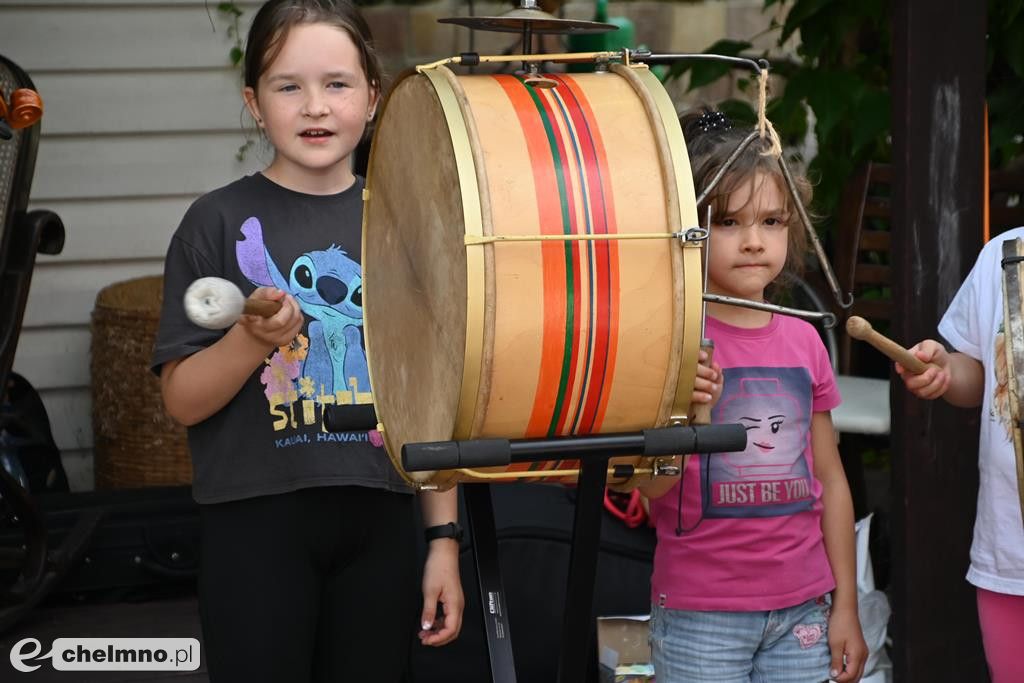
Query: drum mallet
<point x="859" y="328"/>
<point x="216" y="304"/>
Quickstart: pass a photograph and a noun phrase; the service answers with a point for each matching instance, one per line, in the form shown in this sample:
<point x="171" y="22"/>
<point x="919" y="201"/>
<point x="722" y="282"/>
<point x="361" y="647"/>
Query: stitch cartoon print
<point x="327" y="285"/>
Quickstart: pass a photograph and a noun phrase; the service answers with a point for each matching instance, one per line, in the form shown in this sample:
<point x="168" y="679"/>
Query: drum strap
<point x="1013" y="333"/>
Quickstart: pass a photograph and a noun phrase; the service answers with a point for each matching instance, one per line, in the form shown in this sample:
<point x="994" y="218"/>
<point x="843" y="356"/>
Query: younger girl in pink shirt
<point x="754" y="573"/>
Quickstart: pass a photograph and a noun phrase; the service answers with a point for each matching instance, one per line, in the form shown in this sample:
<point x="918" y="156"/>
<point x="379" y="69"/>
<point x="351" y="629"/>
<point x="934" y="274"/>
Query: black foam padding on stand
<point x="724" y="438"/>
<point x="426" y="457"/>
<point x="485" y="453"/>
<point x="354" y="418"/>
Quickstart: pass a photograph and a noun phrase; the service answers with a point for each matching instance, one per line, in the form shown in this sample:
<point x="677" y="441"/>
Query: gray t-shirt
<point x="270" y="437"/>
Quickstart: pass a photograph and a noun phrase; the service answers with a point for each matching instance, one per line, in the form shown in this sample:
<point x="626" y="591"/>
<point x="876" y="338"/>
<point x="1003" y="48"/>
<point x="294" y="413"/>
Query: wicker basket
<point x="136" y="443"/>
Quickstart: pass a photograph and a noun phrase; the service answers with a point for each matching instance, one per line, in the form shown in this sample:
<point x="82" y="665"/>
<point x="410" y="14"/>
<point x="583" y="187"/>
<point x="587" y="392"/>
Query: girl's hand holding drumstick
<point x="270" y="315"/>
<point x="924" y="368"/>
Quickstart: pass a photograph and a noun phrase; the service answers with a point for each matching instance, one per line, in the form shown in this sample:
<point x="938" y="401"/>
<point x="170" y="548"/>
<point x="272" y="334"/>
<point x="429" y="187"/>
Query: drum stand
<point x="594" y="453"/>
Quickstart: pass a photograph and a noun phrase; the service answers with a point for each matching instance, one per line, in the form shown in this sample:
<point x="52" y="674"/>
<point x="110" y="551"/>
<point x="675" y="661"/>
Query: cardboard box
<point x="624" y="655"/>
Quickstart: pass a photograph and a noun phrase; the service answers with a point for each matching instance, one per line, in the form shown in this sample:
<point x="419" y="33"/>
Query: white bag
<point x="874" y="609"/>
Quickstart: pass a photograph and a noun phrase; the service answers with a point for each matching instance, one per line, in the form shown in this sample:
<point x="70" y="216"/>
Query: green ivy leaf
<point x="801" y="11"/>
<point x="236" y="56"/>
<point x="1013" y="48"/>
<point x="830" y="94"/>
<point x="243" y="150"/>
<point x="800" y="84"/>
<point x="229" y="8"/>
<point x="789" y="116"/>
<point x="1008" y="9"/>
<point x="824" y="168"/>
<point x="870" y="118"/>
<point x="1006" y="122"/>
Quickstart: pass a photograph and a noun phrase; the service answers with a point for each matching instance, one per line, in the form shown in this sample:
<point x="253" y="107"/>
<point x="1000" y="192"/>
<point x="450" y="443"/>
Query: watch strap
<point x="449" y="530"/>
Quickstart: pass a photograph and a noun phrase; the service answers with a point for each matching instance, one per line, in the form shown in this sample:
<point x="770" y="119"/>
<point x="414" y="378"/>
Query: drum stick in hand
<point x="702" y="411"/>
<point x="216" y="304"/>
<point x="859" y="328"/>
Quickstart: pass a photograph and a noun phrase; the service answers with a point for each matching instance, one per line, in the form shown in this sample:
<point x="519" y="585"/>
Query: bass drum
<point x="468" y="337"/>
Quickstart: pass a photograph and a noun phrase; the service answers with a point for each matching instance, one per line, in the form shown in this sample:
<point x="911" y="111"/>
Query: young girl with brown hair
<point x="308" y="548"/>
<point x="754" y="572"/>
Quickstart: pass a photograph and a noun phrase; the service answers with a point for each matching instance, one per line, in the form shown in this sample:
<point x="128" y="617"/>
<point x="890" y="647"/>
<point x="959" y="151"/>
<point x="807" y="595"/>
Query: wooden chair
<point x="863" y="264"/>
<point x="863" y="268"/>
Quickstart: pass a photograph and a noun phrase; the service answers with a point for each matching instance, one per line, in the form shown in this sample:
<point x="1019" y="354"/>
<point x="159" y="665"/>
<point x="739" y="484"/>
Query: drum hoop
<point x="472" y="404"/>
<point x="367" y="194"/>
<point x="452" y="105"/>
<point x="474" y="223"/>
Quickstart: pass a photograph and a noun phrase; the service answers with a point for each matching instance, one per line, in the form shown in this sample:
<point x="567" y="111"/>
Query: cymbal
<point x="537" y="21"/>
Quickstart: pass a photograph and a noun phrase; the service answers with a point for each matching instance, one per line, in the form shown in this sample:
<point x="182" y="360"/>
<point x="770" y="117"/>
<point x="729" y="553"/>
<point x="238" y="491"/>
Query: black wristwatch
<point x="449" y="530"/>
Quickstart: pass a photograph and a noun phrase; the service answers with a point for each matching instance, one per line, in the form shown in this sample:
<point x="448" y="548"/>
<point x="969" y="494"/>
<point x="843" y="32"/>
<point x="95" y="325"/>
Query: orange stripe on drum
<point x="604" y="261"/>
<point x="549" y="208"/>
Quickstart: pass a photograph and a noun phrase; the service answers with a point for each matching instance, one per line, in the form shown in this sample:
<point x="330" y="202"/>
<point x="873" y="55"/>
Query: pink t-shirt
<point x="751" y="521"/>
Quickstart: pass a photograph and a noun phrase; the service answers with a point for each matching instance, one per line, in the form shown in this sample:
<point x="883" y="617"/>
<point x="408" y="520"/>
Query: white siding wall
<point x="142" y="115"/>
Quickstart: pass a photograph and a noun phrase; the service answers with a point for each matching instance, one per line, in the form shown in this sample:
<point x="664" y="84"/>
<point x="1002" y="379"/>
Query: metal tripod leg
<point x="579" y="595"/>
<point x="480" y="518"/>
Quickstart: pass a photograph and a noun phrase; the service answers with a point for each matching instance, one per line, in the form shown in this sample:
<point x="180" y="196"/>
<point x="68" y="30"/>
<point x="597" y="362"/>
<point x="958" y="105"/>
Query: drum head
<point x="414" y="263"/>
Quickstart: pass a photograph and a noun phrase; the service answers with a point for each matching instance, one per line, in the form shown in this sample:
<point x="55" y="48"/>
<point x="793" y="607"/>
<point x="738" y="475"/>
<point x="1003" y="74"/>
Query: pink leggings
<point x="1002" y="623"/>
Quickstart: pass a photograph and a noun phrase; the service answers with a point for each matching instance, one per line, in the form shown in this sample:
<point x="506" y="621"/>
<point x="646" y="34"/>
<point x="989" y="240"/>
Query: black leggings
<point x="314" y="585"/>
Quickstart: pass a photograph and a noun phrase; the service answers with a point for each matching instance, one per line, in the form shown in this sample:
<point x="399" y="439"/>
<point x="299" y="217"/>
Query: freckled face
<point x="313" y="103"/>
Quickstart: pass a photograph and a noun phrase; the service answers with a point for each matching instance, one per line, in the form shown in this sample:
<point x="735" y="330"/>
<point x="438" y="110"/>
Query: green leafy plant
<point x="838" y="86"/>
<point x="1004" y="82"/>
<point x="842" y="65"/>
<point x="233" y="13"/>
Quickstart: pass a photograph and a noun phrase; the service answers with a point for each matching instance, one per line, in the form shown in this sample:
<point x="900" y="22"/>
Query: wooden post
<point x="938" y="91"/>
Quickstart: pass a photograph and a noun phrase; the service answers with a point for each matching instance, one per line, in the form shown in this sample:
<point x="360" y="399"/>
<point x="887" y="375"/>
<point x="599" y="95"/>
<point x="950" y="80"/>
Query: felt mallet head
<point x="215" y="304"/>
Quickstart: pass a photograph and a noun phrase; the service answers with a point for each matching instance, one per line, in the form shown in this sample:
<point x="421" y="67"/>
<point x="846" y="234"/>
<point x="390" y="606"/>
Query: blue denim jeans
<point x="779" y="646"/>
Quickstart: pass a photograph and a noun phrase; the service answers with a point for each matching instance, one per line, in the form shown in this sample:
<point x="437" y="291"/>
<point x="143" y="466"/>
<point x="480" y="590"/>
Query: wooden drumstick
<point x="265" y="308"/>
<point x="859" y="328"/>
<point x="702" y="411"/>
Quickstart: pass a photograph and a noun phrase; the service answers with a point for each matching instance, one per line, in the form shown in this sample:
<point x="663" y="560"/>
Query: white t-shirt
<point x="973" y="324"/>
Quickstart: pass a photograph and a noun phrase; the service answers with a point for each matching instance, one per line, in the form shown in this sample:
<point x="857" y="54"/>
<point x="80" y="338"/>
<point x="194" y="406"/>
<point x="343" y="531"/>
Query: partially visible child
<point x="973" y="375"/>
<point x="754" y="572"/>
<point x="308" y="550"/>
